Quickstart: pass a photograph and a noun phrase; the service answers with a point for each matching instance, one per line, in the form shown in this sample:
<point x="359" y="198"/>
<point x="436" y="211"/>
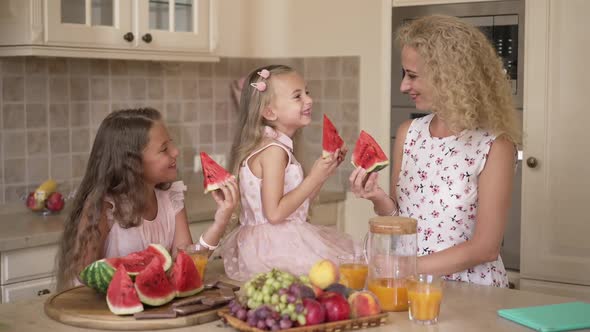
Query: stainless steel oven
<point x="503" y="23"/>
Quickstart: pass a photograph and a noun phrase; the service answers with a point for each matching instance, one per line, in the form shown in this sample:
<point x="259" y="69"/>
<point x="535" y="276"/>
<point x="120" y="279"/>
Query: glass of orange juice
<point x="353" y="270"/>
<point x="199" y="254"/>
<point x="424" y="298"/>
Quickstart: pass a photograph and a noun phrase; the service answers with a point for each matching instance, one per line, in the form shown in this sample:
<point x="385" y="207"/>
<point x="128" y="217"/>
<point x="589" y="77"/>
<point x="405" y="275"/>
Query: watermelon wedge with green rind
<point x="368" y="154"/>
<point x="153" y="286"/>
<point x="213" y="174"/>
<point x="122" y="298"/>
<point x="331" y="140"/>
<point x="185" y="277"/>
<point x="98" y="274"/>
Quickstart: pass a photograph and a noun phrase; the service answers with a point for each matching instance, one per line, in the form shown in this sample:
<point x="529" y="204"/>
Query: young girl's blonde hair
<point x="251" y="123"/>
<point x="114" y="170"/>
<point x="470" y="87"/>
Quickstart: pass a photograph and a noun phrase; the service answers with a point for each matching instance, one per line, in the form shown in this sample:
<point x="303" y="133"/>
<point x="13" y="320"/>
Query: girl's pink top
<point x="293" y="245"/>
<point x="123" y="241"/>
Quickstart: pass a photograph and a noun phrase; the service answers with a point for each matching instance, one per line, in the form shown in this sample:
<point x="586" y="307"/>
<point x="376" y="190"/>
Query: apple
<point x="324" y="273"/>
<point x="315" y="312"/>
<point x="336" y="305"/>
<point x="33" y="203"/>
<point x="55" y="202"/>
<point x="363" y="303"/>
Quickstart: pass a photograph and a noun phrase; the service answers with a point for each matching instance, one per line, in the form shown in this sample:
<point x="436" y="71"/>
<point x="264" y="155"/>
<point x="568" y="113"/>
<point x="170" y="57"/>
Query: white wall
<point x="304" y="28"/>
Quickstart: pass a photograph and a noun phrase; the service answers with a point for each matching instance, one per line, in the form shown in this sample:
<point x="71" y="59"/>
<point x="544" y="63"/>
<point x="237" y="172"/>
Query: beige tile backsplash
<point x="50" y="109"/>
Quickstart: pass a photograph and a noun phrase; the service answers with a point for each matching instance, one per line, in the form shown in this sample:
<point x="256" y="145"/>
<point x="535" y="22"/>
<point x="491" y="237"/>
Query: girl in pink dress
<point x="275" y="195"/>
<point x="128" y="197"/>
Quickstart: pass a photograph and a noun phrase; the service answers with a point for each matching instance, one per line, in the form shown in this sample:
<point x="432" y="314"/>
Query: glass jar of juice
<point x="391" y="246"/>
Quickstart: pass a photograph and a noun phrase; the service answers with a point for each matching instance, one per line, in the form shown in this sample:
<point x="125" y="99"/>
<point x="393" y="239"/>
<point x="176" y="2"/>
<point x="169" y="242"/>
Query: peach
<point x="363" y="303"/>
<point x="324" y="273"/>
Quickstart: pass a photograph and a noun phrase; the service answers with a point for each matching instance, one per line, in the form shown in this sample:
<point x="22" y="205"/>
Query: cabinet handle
<point x="531" y="162"/>
<point x="43" y="292"/>
<point x="129" y="36"/>
<point x="147" y="38"/>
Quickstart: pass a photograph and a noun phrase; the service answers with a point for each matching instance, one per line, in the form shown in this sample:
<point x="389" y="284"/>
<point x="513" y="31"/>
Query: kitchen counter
<point x="466" y="307"/>
<point x="22" y="228"/>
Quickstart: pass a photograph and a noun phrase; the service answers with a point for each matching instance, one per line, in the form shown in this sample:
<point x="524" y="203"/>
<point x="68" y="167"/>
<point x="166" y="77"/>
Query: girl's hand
<point x="324" y="167"/>
<point x="340" y="154"/>
<point x="364" y="186"/>
<point x="227" y="198"/>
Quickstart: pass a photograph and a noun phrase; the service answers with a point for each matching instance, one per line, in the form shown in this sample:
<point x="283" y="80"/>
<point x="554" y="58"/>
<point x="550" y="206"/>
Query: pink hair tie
<point x="260" y="86"/>
<point x="264" y="73"/>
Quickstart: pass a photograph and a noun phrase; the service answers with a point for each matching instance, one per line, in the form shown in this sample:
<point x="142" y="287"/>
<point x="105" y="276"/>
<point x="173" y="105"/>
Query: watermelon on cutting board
<point x="185" y="277"/>
<point x="98" y="274"/>
<point x="213" y="174"/>
<point x="368" y="154"/>
<point x="122" y="297"/>
<point x="331" y="140"/>
<point x="153" y="286"/>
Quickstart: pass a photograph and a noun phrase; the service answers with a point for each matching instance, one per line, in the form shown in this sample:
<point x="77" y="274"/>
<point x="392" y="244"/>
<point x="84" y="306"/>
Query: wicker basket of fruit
<point x="278" y="300"/>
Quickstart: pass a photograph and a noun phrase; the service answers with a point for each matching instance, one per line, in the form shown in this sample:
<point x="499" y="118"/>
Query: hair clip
<point x="264" y="73"/>
<point x="260" y="86"/>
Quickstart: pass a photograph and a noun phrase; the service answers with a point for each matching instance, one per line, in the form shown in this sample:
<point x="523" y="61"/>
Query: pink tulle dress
<point x="293" y="245"/>
<point x="123" y="241"/>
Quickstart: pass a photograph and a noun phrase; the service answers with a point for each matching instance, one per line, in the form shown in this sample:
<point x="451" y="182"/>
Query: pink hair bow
<point x="260" y="86"/>
<point x="264" y="73"/>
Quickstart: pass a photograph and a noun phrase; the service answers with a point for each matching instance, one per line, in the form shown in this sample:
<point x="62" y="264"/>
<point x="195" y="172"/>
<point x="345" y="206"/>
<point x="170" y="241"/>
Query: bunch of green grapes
<point x="278" y="291"/>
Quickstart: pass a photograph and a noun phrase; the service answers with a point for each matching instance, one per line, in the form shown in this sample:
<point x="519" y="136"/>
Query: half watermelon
<point x="98" y="274"/>
<point x="213" y="174"/>
<point x="152" y="285"/>
<point x="368" y="154"/>
<point x="331" y="140"/>
<point x="122" y="297"/>
<point x="185" y="277"/>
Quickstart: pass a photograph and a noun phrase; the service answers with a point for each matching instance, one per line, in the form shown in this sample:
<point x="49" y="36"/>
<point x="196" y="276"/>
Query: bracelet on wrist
<point x="206" y="245"/>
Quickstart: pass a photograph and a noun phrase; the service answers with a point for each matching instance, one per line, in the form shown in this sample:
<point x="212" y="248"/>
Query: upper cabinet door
<point x="183" y="25"/>
<point x="89" y="23"/>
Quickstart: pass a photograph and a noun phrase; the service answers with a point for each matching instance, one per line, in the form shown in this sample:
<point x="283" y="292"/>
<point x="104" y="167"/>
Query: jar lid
<point x="394" y="225"/>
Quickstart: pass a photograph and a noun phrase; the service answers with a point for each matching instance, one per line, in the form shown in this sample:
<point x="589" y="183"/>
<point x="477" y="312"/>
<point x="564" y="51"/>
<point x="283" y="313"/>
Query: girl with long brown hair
<point x="129" y="196"/>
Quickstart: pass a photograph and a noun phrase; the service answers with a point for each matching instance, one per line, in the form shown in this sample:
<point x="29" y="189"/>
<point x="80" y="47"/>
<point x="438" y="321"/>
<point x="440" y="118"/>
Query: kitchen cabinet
<point x="28" y="272"/>
<point x="555" y="250"/>
<point x="167" y="30"/>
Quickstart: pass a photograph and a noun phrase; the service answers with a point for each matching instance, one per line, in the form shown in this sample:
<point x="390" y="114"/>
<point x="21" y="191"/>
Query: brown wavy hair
<point x="114" y="170"/>
<point x="251" y="123"/>
<point x="470" y="87"/>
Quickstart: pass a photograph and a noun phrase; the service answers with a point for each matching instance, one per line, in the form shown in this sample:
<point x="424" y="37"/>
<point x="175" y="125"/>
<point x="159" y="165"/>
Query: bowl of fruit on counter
<point x="277" y="300"/>
<point x="45" y="199"/>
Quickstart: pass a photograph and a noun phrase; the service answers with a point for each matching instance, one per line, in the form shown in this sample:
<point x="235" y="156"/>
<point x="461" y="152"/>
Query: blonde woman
<point x="453" y="169"/>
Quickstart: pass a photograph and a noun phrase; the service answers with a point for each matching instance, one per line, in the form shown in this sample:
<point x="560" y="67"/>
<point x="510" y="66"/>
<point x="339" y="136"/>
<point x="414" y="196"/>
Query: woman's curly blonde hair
<point x="469" y="85"/>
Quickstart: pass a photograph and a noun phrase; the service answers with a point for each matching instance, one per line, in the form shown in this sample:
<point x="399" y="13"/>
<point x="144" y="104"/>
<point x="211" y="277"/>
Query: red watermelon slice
<point x="331" y="141"/>
<point x="213" y="174"/>
<point x="185" y="277"/>
<point x="368" y="154"/>
<point x="122" y="298"/>
<point x="152" y="285"/>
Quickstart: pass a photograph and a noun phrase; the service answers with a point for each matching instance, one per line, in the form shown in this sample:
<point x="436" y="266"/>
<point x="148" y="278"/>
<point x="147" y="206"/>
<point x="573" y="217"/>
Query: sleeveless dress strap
<point x="266" y="146"/>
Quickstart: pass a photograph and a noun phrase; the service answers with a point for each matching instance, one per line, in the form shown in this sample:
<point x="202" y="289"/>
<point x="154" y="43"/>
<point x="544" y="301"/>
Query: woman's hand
<point x="227" y="198"/>
<point x="365" y="186"/>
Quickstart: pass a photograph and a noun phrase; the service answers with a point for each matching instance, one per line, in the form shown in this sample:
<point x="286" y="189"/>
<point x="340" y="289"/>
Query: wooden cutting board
<point x="84" y="307"/>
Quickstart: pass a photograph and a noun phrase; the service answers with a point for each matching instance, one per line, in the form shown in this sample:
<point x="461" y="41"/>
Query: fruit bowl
<point x="45" y="200"/>
<point x="349" y="324"/>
